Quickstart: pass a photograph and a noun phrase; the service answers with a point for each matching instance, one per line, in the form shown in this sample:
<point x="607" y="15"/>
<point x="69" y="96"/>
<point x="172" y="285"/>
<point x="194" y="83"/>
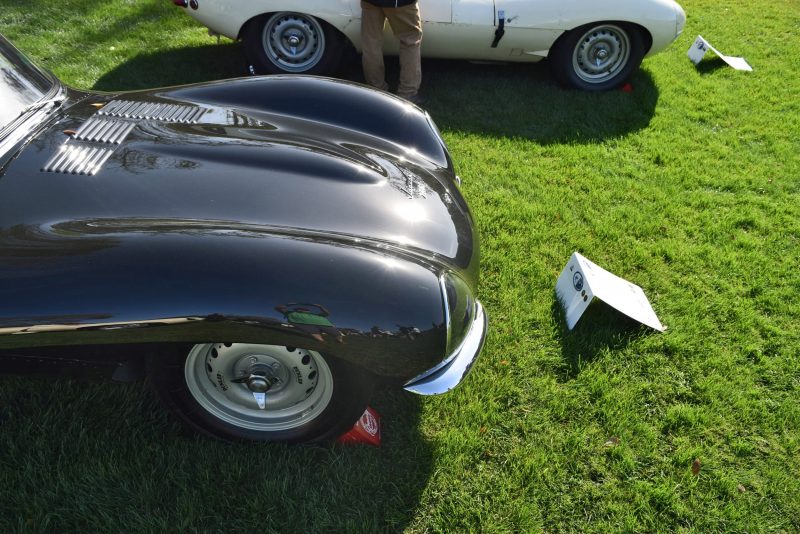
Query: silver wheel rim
<point x="222" y="378"/>
<point x="601" y="53"/>
<point x="293" y="42"/>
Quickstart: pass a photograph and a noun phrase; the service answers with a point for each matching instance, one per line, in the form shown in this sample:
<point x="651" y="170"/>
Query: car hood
<point x="225" y="165"/>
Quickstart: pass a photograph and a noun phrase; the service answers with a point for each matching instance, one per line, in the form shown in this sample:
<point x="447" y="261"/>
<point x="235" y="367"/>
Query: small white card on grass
<point x="581" y="281"/>
<point x="701" y="46"/>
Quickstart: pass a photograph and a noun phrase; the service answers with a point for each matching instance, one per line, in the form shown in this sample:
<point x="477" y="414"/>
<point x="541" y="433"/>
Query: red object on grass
<point x="366" y="430"/>
<point x="627" y="88"/>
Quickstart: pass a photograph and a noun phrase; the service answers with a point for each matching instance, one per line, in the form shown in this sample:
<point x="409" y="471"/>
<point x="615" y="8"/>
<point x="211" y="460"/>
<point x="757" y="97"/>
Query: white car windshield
<point x="21" y="85"/>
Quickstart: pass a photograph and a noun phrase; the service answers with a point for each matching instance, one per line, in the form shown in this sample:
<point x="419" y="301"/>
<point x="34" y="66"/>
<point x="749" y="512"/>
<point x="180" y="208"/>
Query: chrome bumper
<point x="442" y="380"/>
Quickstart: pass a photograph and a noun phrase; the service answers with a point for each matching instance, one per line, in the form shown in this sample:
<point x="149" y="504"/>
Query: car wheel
<point x="240" y="391"/>
<point x="291" y="43"/>
<point x="597" y="57"/>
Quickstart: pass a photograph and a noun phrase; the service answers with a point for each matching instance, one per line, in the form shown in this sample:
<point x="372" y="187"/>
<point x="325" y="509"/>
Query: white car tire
<point x="598" y="56"/>
<point x="251" y="392"/>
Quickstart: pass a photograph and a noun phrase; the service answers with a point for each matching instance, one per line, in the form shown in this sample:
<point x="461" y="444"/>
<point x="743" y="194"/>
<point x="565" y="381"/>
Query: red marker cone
<point x="366" y="430"/>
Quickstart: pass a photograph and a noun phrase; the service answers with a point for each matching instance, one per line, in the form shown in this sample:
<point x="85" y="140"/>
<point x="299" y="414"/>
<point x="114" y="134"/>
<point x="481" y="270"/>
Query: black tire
<point x="318" y="46"/>
<point x="199" y="385"/>
<point x="616" y="48"/>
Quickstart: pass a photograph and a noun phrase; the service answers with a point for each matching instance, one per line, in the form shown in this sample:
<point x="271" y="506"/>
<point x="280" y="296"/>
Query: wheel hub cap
<point x="294" y="40"/>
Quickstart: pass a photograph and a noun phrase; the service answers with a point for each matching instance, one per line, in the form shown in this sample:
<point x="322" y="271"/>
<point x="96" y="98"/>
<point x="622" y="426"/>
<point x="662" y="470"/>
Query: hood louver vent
<point x="104" y="130"/>
<point x="110" y="125"/>
<point x="78" y="159"/>
<point x="153" y="111"/>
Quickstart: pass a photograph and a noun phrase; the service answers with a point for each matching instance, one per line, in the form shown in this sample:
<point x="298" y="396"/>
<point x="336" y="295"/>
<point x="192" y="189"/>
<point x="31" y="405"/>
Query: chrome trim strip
<point x="448" y="377"/>
<point x="152" y="111"/>
<point x="79" y="154"/>
<point x="63" y="158"/>
<point x="86" y="125"/>
<point x="123" y="110"/>
<point x="186" y="112"/>
<point x="90" y="130"/>
<point x="55" y="159"/>
<point x="84" y="164"/>
<point x="136" y="109"/>
<point x="197" y="114"/>
<point x="111" y="107"/>
<point x="73" y="153"/>
<point x="91" y="164"/>
<point x="112" y="133"/>
<point x="448" y="320"/>
<point x="178" y="113"/>
<point x="123" y="132"/>
<point x="147" y="110"/>
<point x="101" y="161"/>
<point x="100" y="133"/>
<point x="78" y="159"/>
<point x="104" y="131"/>
<point x="169" y="112"/>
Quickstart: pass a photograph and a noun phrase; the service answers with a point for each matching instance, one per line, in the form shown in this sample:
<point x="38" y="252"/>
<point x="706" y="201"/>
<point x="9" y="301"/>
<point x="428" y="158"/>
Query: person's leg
<point x="372" y="21"/>
<point x="407" y="26"/>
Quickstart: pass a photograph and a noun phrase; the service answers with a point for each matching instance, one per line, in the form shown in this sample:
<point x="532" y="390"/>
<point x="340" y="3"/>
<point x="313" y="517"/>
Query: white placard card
<point x="581" y="281"/>
<point x="701" y="46"/>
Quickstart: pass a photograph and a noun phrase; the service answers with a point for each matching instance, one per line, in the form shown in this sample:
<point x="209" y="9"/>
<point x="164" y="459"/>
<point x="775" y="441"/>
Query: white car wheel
<point x="242" y="391"/>
<point x="259" y="387"/>
<point x="597" y="57"/>
<point x="291" y="43"/>
<point x="601" y="53"/>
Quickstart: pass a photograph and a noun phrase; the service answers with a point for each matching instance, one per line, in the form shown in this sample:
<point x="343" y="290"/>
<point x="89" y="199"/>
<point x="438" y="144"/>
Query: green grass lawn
<point x="689" y="186"/>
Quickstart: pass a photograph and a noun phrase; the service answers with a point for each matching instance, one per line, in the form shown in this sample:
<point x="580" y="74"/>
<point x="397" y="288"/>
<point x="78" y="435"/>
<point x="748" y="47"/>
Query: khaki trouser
<point x="407" y="27"/>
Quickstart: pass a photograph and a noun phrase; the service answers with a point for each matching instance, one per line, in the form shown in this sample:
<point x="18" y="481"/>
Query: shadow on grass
<point x="197" y="64"/>
<point x="710" y="64"/>
<point x="601" y="328"/>
<point x="175" y="67"/>
<point x="522" y="100"/>
<point x="499" y="100"/>
<point x="106" y="456"/>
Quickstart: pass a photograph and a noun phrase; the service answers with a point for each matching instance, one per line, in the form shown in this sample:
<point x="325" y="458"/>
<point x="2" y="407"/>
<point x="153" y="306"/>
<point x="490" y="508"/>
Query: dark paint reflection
<point x="26" y="244"/>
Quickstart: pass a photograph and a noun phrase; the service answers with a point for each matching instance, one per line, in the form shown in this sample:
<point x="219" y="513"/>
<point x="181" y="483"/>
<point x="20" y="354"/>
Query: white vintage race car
<point x="591" y="45"/>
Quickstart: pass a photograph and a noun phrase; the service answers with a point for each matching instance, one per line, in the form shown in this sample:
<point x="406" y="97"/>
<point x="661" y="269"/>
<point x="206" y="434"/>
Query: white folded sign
<point x="701" y="46"/>
<point x="581" y="281"/>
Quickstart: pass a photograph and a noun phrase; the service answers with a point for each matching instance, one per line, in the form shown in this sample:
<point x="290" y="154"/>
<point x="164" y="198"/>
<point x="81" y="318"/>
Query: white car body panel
<point x="465" y="29"/>
<point x="227" y="17"/>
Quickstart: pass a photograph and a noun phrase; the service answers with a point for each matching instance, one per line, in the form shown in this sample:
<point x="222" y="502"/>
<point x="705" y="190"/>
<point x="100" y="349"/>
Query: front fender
<point x="228" y="17"/>
<point x="145" y="281"/>
<point x="660" y="18"/>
